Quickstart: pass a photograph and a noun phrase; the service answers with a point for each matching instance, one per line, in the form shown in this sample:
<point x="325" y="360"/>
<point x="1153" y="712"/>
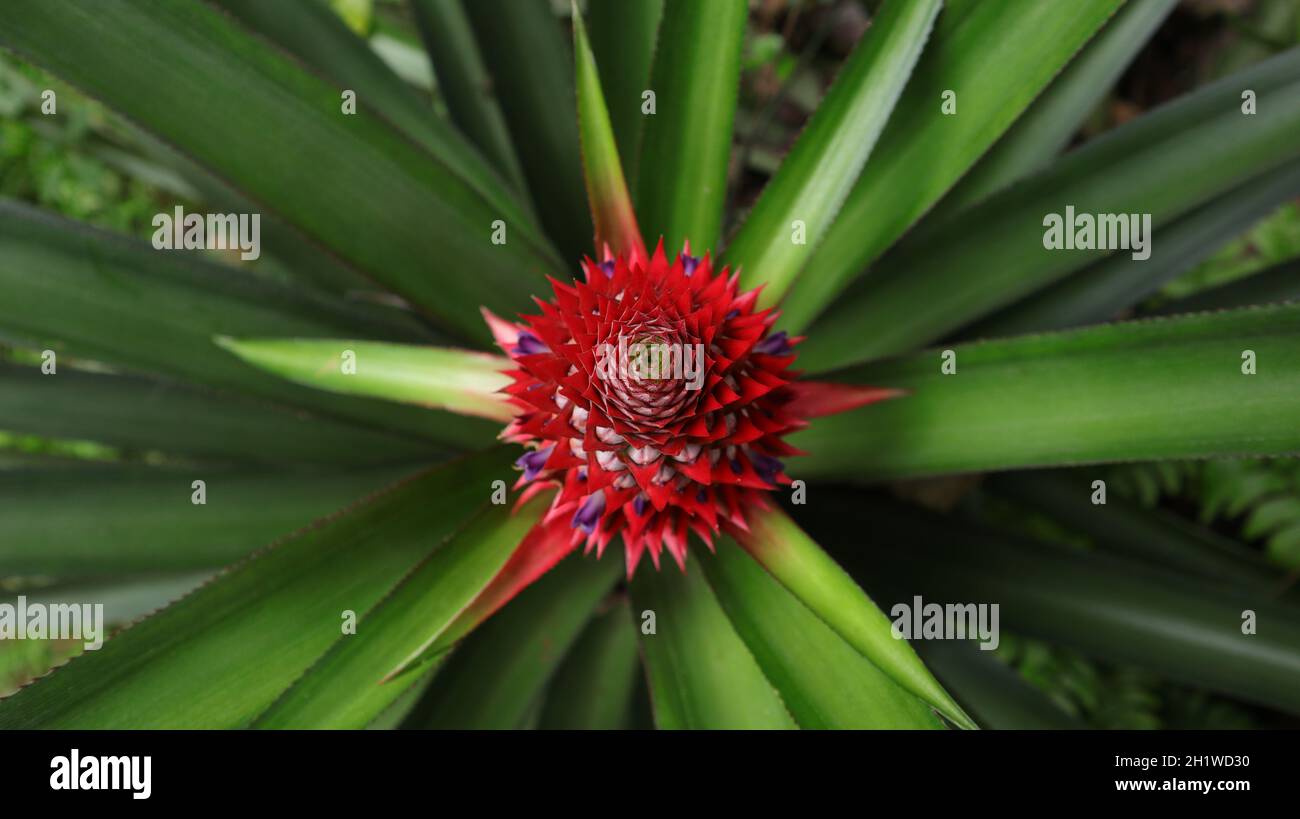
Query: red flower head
<point x="655" y="396"/>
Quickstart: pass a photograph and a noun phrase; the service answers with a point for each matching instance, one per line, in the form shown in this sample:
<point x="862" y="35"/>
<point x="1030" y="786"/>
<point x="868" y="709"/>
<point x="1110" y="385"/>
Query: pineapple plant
<point x="522" y="420"/>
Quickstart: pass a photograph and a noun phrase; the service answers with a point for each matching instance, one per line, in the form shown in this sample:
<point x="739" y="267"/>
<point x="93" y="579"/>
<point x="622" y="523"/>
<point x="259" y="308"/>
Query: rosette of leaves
<point x="325" y="440"/>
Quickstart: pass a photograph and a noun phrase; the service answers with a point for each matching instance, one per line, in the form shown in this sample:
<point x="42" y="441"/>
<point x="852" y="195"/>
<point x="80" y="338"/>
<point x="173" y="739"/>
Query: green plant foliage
<point x="1171" y="388"/>
<point x="1274" y="240"/>
<point x="221" y="655"/>
<point x="65" y="164"/>
<point x="801" y="202"/>
<point x="1120" y="698"/>
<point x="258" y="464"/>
<point x="1258" y="499"/>
<point x="685" y="147"/>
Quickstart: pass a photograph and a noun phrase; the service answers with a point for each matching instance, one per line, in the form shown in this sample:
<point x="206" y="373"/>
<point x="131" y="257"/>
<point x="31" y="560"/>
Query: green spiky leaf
<point x="611" y="204"/>
<point x="1140" y="168"/>
<point x="338" y="177"/>
<point x="924" y="150"/>
<point x="802" y="200"/>
<point x="220" y="656"/>
<point x="1166" y="388"/>
<point x="815" y="579"/>
<point x="347" y="688"/>
<point x="460" y="381"/>
<point x="824" y="681"/>
<point x="701" y="673"/>
<point x="682" y="169"/>
<point x="498" y="677"/>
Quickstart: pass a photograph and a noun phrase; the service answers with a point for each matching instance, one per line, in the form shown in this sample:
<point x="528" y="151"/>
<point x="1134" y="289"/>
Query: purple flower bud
<point x="529" y="344"/>
<point x="639" y="505"/>
<point x="607" y="267"/>
<point x="775" y="344"/>
<point x="588" y="515"/>
<point x="766" y="466"/>
<point x="533" y="462"/>
<point x="689" y="263"/>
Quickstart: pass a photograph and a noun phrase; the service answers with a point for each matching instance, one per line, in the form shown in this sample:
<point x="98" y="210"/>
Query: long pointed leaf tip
<point x="617" y="231"/>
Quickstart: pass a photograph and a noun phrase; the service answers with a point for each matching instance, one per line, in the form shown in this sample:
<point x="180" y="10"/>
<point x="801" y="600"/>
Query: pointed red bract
<point x="813" y="399"/>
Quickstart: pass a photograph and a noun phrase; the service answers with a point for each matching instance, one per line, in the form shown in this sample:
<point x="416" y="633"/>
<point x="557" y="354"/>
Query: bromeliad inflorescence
<point x="655" y="395"/>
